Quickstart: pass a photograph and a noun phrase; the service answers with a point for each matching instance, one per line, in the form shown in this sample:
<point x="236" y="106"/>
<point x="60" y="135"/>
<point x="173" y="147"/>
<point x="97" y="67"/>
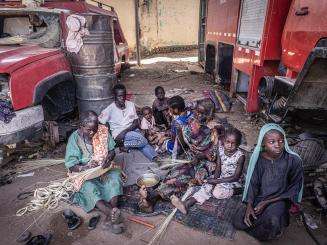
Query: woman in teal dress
<point x="101" y="192"/>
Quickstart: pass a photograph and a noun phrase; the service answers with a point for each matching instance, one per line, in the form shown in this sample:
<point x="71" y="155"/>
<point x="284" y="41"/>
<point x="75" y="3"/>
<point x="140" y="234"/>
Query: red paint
<point x="301" y="33"/>
<point x="286" y="37"/>
<point x="23" y="86"/>
<point x="28" y="65"/>
<point x="222" y="20"/>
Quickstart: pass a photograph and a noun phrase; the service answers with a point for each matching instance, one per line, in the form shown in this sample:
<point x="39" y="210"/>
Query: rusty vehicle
<point x="36" y="76"/>
<point x="270" y="54"/>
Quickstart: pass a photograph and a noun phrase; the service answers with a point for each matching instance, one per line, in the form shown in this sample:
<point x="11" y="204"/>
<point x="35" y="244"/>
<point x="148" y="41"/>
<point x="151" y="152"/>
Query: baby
<point x="151" y="131"/>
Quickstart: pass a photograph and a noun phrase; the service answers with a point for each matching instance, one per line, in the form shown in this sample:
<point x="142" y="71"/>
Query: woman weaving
<point x="82" y="154"/>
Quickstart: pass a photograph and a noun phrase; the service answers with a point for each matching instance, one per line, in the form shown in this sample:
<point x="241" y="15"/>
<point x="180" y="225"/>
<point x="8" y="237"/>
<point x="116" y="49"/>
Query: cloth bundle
<point x="76" y="30"/>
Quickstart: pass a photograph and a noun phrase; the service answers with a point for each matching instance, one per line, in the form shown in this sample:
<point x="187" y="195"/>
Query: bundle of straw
<point x="163" y="228"/>
<point x="28" y="166"/>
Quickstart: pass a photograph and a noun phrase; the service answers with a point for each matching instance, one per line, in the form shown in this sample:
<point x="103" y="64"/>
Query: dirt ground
<point x="177" y="71"/>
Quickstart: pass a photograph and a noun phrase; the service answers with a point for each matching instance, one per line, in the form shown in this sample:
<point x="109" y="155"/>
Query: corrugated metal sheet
<point x="252" y="22"/>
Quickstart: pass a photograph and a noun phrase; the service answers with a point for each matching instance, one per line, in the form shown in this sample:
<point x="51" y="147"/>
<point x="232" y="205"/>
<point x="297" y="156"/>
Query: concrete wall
<point x="163" y="22"/>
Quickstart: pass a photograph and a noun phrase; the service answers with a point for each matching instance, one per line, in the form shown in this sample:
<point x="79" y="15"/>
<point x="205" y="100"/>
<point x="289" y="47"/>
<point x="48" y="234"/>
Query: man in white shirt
<point x="124" y="124"/>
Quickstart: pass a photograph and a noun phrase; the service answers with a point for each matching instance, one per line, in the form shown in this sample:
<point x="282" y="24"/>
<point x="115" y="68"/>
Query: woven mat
<point x="213" y="217"/>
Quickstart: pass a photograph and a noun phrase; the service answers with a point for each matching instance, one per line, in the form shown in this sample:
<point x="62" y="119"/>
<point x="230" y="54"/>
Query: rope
<point x="48" y="197"/>
<point x="60" y="190"/>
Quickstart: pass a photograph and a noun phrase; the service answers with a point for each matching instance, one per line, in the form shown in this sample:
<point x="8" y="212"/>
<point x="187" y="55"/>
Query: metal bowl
<point x="148" y="180"/>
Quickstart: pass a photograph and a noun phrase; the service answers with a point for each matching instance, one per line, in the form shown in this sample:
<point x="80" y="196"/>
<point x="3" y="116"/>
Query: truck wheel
<point x="59" y="101"/>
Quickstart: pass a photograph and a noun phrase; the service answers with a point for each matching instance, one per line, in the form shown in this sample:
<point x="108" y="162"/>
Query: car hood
<point x="12" y="57"/>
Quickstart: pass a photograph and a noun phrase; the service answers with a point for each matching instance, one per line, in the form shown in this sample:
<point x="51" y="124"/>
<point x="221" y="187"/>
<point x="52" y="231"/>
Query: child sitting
<point x="151" y="132"/>
<point x="274" y="181"/>
<point x="229" y="168"/>
<point x="160" y="108"/>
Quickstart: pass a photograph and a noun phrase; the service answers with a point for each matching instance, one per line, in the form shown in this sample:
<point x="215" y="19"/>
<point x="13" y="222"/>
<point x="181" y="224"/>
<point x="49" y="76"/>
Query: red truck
<point x="270" y="54"/>
<point x="35" y="74"/>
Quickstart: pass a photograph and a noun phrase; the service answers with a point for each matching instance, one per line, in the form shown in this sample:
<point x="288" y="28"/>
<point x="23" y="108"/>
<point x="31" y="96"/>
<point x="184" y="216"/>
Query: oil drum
<point x="94" y="92"/>
<point x="96" y="56"/>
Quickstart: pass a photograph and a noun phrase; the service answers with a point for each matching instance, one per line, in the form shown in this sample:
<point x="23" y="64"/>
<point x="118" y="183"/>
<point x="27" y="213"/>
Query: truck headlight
<point x="4" y="87"/>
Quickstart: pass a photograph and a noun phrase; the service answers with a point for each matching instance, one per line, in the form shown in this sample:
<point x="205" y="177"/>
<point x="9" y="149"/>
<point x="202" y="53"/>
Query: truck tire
<point x="310" y="151"/>
<point x="59" y="101"/>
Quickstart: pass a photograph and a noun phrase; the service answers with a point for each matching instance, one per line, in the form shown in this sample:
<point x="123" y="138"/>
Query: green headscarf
<point x="255" y="155"/>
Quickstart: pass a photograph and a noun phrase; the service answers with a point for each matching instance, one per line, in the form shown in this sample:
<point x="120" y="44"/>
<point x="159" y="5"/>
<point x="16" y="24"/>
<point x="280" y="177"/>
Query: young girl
<point x="230" y="161"/>
<point x="274" y="180"/>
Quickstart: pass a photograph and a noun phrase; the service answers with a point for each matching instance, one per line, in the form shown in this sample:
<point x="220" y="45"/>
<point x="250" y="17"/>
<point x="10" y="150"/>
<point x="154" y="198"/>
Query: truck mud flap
<point x="310" y="88"/>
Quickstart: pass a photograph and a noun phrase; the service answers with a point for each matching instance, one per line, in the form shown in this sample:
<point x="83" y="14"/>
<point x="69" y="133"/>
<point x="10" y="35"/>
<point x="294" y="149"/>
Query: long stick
<point x="141" y="222"/>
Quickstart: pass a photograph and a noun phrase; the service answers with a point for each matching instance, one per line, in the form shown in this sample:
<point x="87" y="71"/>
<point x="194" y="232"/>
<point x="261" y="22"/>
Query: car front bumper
<point x="26" y="124"/>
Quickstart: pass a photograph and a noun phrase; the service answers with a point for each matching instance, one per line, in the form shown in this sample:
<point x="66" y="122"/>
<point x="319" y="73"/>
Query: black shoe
<point x="93" y="222"/>
<point x="40" y="240"/>
<point x="73" y="221"/>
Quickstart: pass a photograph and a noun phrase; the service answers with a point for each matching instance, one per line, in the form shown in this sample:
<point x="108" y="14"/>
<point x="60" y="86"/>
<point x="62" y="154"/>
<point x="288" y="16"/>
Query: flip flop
<point x="73" y="221"/>
<point x="93" y="222"/>
<point x="40" y="240"/>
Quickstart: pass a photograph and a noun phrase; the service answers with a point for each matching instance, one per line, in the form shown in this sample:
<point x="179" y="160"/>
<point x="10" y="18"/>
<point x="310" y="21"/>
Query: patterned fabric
<point x="6" y="111"/>
<point x="228" y="165"/>
<point x="183" y="176"/>
<point x="100" y="143"/>
<point x="207" y="168"/>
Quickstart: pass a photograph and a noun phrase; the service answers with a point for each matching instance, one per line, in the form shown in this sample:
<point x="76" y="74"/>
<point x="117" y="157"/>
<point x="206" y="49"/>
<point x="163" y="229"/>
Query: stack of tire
<point x="314" y="159"/>
<point x="94" y="66"/>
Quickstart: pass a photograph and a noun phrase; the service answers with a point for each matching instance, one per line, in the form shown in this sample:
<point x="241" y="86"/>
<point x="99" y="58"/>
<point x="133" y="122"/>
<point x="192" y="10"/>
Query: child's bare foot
<point x="178" y="204"/>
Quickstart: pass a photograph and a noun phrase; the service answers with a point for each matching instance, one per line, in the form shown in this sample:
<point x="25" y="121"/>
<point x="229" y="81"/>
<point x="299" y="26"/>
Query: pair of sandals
<point x="27" y="238"/>
<point x="74" y="221"/>
<point x="115" y="224"/>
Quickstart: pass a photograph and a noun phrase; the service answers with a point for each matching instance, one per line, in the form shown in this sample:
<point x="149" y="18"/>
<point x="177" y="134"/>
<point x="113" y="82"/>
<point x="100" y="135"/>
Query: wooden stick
<point x="141" y="222"/>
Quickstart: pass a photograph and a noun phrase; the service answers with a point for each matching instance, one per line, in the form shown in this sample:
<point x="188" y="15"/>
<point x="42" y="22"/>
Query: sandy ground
<point x="169" y="72"/>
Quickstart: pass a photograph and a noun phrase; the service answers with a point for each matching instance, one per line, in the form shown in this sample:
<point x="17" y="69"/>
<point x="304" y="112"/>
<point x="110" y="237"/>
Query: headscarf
<point x="257" y="150"/>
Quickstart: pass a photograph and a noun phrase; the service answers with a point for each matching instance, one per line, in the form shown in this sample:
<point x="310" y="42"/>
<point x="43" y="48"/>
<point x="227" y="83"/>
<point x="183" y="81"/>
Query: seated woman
<point x="274" y="181"/>
<point x="204" y="112"/>
<point x="218" y="180"/>
<point x="177" y="109"/>
<point x="101" y="192"/>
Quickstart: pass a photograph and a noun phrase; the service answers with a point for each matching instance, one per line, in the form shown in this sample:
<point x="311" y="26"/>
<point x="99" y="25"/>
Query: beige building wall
<point x="162" y="22"/>
<point x="169" y="23"/>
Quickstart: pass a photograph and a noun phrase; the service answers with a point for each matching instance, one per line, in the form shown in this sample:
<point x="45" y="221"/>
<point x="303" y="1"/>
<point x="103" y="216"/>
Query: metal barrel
<point x="97" y="53"/>
<point x="94" y="92"/>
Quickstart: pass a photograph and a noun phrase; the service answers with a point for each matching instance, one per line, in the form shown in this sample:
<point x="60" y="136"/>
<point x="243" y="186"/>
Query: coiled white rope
<point x="61" y="190"/>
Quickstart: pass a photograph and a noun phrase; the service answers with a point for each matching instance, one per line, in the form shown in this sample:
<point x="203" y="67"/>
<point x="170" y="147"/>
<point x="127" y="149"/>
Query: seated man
<point x="124" y="124"/>
<point x="102" y="191"/>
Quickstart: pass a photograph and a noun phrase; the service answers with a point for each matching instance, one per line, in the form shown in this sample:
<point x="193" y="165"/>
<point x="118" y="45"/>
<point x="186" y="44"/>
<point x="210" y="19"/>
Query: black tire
<point x="59" y="100"/>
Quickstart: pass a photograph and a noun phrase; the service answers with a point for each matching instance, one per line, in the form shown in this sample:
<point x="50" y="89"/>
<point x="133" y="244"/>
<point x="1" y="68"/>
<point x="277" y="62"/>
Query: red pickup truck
<point x="35" y="72"/>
